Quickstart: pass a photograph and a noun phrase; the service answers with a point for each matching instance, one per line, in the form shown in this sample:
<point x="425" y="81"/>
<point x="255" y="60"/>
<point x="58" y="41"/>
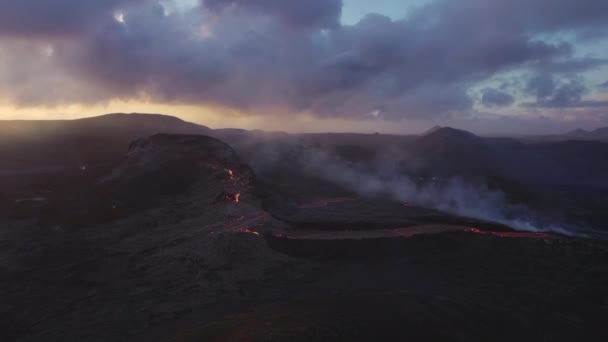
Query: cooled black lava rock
<point x="156" y="169"/>
<point x="168" y="164"/>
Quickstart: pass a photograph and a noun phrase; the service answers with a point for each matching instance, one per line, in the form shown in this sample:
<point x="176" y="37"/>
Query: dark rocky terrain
<point x="253" y="236"/>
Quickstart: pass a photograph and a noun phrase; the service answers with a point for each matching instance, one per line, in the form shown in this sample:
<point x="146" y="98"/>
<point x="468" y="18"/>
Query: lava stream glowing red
<point x="407" y="233"/>
<point x="231" y="198"/>
<point x="243" y="224"/>
<point x="230" y="173"/>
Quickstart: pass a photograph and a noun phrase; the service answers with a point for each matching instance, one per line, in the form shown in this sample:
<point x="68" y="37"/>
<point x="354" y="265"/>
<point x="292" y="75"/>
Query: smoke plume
<point x="383" y="177"/>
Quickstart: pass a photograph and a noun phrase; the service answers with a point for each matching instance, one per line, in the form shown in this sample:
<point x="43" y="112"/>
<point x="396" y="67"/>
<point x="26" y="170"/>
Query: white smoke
<point x="453" y="195"/>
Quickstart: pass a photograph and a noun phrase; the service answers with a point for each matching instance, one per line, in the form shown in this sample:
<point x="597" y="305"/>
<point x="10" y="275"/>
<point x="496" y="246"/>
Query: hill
<point x="84" y="142"/>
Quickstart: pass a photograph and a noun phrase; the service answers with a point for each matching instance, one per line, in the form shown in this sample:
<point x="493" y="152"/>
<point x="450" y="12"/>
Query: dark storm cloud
<point x="404" y="67"/>
<point x="295" y="56"/>
<point x="54" y="17"/>
<point x="575" y="65"/>
<point x="568" y="102"/>
<point x="586" y="17"/>
<point x="496" y="98"/>
<point x="541" y="86"/>
<point x="566" y="95"/>
<point x="309" y="13"/>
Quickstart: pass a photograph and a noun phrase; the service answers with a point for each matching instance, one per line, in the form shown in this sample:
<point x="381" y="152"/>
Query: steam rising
<point x="383" y="177"/>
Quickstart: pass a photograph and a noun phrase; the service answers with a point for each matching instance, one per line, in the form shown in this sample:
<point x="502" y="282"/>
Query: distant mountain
<point x="449" y="151"/>
<point x="40" y="146"/>
<point x="596" y="134"/>
<point x="82" y="142"/>
<point x="451" y="140"/>
<point x="577" y="132"/>
<point x="134" y="124"/>
<point x="432" y="130"/>
<point x="599" y="134"/>
<point x="203" y="169"/>
<point x="448" y="133"/>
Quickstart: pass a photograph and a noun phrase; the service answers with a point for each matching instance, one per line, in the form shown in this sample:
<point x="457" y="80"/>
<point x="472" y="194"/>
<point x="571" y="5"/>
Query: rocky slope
<point x="179" y="240"/>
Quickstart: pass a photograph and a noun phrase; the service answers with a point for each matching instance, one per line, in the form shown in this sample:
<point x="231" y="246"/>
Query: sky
<point x="391" y="66"/>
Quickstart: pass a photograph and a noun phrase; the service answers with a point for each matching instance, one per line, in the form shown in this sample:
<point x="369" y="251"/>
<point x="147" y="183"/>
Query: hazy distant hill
<point x="448" y="151"/>
<point x="596" y="134"/>
<point x="442" y="151"/>
<point x="599" y="134"/>
<point x="432" y="130"/>
<point x="75" y="143"/>
<point x="119" y="123"/>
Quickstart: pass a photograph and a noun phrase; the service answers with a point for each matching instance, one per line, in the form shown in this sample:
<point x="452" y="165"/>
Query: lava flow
<point x="253" y="232"/>
<point x="233" y="198"/>
<point x="230" y="173"/>
<point x="243" y="224"/>
<point x="526" y="235"/>
<point x="407" y="233"/>
<point x="234" y="186"/>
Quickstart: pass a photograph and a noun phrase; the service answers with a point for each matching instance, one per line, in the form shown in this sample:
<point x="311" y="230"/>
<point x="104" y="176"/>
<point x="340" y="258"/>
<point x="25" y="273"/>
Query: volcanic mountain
<point x="84" y="142"/>
<point x="450" y="151"/>
<point x="432" y="130"/>
<point x="194" y="167"/>
<point x="56" y="155"/>
<point x="174" y="237"/>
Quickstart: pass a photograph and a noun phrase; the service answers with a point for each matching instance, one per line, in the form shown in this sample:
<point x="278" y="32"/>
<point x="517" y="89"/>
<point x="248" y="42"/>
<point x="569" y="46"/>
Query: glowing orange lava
<point x="249" y="231"/>
<point x="243" y="224"/>
<point x="408" y="232"/>
<point x="230" y="173"/>
<point x="233" y="198"/>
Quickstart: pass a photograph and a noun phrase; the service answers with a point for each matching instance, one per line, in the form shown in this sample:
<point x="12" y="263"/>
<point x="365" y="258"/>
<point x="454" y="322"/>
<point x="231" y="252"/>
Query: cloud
<point x="496" y="98"/>
<point x="574" y="65"/>
<point x="541" y="86"/>
<point x="567" y="95"/>
<point x="584" y="17"/>
<point x="250" y="62"/>
<point x="281" y="56"/>
<point x="296" y="13"/>
<point x="57" y="17"/>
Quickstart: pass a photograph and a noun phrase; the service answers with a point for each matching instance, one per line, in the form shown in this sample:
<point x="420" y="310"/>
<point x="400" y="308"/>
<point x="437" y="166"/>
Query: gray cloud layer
<point x="56" y="17"/>
<point x="496" y="98"/>
<point x="293" y="55"/>
<point x="309" y="13"/>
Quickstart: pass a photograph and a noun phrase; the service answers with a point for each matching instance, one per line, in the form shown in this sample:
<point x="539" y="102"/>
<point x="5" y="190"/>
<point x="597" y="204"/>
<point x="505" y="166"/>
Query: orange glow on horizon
<point x="211" y="116"/>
